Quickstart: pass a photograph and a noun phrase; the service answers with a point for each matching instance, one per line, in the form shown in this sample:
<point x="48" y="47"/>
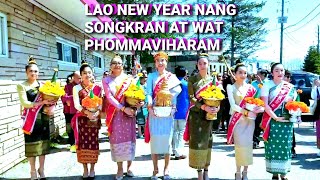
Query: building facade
<point x="52" y="32"/>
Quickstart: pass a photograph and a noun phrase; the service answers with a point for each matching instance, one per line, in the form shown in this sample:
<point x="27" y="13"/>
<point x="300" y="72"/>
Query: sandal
<point x="205" y="174"/>
<point x="237" y="176"/>
<point x="275" y="177"/>
<point x="33" y="175"/>
<point x="166" y="177"/>
<point x="41" y="174"/>
<point x="244" y="175"/>
<point x="154" y="176"/>
<point x="129" y="173"/>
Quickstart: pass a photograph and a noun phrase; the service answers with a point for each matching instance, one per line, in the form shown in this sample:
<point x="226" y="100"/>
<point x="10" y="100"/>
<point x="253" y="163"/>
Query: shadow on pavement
<point x="307" y="161"/>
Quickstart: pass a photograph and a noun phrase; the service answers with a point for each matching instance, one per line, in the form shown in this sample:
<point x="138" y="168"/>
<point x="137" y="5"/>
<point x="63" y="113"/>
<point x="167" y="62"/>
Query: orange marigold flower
<point x="256" y="101"/>
<point x="94" y="102"/>
<point x="299" y="91"/>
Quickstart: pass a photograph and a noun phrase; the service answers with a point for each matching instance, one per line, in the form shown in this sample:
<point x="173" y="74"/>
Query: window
<point x="3" y="36"/>
<point x="68" y="51"/>
<point x="98" y="60"/>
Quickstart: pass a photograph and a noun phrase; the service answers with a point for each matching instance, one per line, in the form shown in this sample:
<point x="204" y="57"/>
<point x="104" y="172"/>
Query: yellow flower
<point x="140" y="74"/>
<point x="212" y="92"/>
<point x="135" y="92"/>
<point x="260" y="85"/>
<point x="52" y="88"/>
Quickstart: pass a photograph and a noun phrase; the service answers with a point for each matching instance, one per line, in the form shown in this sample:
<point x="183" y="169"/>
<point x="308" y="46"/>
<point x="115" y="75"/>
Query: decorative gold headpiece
<point x="161" y="54"/>
<point x="31" y="60"/>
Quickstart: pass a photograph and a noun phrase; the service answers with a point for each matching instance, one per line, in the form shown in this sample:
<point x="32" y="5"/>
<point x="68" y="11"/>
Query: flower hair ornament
<point x="203" y="55"/>
<point x="161" y="55"/>
<point x="117" y="56"/>
<point x="84" y="62"/>
<point x="31" y="60"/>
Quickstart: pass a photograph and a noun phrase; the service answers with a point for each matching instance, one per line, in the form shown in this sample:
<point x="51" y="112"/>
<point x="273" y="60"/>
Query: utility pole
<point x="318" y="41"/>
<point x="281" y="20"/>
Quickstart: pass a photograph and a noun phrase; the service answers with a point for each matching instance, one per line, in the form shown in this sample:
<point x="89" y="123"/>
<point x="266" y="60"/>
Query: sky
<point x="297" y="39"/>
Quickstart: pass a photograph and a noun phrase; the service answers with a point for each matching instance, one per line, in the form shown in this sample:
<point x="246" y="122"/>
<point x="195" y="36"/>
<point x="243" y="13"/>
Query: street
<point x="62" y="164"/>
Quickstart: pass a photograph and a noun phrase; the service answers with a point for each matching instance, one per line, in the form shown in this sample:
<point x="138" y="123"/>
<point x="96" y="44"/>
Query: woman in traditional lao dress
<point x="160" y="128"/>
<point x="241" y="125"/>
<point x="277" y="130"/>
<point x="315" y="95"/>
<point x="85" y="123"/>
<point x="120" y="118"/>
<point x="36" y="123"/>
<point x="199" y="130"/>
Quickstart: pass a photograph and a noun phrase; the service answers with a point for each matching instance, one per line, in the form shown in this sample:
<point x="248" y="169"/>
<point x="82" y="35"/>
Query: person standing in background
<point x="180" y="116"/>
<point x="261" y="79"/>
<point x="68" y="107"/>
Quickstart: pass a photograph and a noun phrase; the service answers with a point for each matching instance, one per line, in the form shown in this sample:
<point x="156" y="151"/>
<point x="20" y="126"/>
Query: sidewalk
<point x="62" y="164"/>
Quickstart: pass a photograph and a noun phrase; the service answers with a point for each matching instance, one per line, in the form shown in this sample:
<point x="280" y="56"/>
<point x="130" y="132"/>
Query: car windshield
<point x="299" y="80"/>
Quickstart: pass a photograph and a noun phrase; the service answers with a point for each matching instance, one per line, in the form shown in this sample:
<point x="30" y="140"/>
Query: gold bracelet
<point x="123" y="108"/>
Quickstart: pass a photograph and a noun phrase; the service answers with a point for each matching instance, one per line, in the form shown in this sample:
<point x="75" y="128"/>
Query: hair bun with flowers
<point x="84" y="62"/>
<point x="31" y="60"/>
<point x="117" y="56"/>
<point x="203" y="55"/>
<point x="161" y="54"/>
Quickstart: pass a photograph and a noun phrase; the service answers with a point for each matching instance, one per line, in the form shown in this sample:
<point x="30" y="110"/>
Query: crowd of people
<point x="166" y="135"/>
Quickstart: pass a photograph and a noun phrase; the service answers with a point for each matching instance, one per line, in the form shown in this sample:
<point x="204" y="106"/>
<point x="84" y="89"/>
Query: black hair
<point x="263" y="72"/>
<point x="180" y="71"/>
<point x="31" y="62"/>
<point x="84" y="64"/>
<point x="287" y="73"/>
<point x="238" y="66"/>
<point x="273" y="65"/>
<point x="69" y="77"/>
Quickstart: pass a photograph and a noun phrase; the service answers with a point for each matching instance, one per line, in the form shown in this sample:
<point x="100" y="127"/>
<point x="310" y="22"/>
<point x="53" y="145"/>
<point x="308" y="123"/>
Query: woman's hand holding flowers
<point x="129" y="111"/>
<point x="258" y="109"/>
<point x="140" y="104"/>
<point x="209" y="109"/>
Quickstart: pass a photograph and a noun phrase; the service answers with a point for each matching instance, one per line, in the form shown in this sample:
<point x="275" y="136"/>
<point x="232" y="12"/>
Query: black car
<point x="303" y="80"/>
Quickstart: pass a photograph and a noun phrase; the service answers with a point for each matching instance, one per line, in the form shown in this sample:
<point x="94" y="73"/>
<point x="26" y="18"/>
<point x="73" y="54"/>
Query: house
<point x="51" y="31"/>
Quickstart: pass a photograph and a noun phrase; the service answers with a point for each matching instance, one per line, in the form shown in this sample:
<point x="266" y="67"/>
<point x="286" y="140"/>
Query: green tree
<point x="312" y="61"/>
<point x="245" y="31"/>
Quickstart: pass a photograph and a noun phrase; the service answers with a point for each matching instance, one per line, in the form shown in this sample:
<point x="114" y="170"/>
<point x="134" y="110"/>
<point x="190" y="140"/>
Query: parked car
<point x="303" y="80"/>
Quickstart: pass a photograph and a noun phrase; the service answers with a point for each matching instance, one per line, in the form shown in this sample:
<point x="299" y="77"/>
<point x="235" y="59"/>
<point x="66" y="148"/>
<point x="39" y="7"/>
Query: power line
<point x="306" y="23"/>
<point x="290" y="26"/>
<point x="303" y="17"/>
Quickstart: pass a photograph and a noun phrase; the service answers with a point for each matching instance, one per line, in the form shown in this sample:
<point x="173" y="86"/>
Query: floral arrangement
<point x="91" y="102"/>
<point x="135" y="93"/>
<point x="255" y="101"/>
<point x="52" y="88"/>
<point x="212" y="97"/>
<point x="52" y="91"/>
<point x="212" y="92"/>
<point x="297" y="106"/>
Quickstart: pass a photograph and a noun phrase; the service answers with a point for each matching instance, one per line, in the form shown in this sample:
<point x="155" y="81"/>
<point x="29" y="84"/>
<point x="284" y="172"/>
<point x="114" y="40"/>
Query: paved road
<point x="61" y="164"/>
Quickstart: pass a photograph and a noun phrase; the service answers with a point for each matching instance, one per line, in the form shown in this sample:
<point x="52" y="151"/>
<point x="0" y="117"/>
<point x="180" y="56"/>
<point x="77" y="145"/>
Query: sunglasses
<point x="116" y="63"/>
